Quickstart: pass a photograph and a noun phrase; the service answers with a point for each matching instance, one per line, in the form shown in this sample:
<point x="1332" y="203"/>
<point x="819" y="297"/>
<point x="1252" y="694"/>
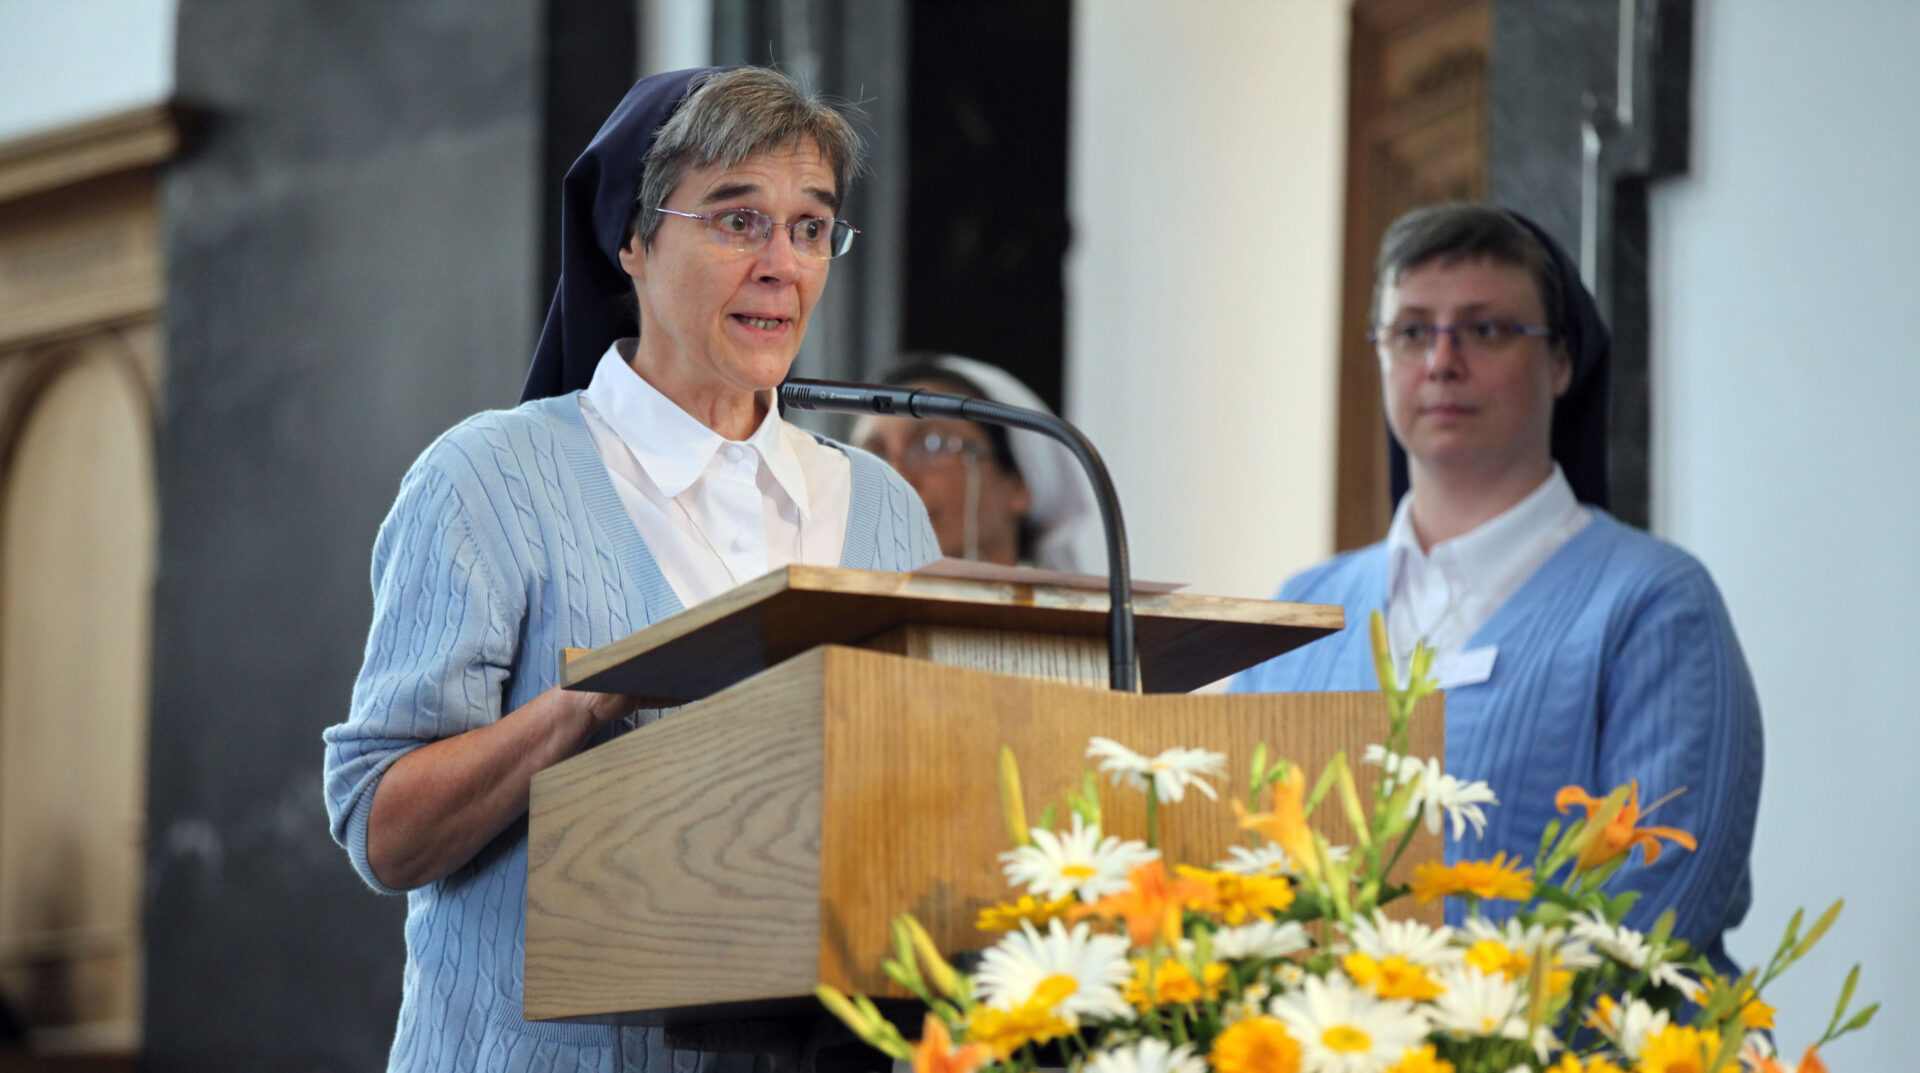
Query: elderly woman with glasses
<point x="646" y="470"/>
<point x="995" y="495"/>
<point x="1574" y="649"/>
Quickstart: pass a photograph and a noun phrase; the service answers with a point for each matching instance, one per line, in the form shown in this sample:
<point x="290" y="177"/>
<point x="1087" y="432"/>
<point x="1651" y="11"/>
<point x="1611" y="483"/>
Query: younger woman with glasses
<point x="1574" y="649"/>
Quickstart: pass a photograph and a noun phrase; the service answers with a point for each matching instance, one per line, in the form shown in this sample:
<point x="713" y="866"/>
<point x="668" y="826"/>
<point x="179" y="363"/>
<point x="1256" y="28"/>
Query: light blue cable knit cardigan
<point x="1616" y="661"/>
<point x="508" y="543"/>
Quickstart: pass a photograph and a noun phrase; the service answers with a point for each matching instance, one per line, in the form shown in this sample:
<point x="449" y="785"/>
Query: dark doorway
<point x="987" y="184"/>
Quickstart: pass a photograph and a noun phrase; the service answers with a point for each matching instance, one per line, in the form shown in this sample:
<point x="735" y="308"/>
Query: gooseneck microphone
<point x="845" y="398"/>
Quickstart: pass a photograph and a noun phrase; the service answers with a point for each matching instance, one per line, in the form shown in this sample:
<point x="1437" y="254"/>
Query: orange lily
<point x="935" y="1052"/>
<point x="1619" y="835"/>
<point x="1810" y="1063"/>
<point x="1286" y="825"/>
<point x="1153" y="905"/>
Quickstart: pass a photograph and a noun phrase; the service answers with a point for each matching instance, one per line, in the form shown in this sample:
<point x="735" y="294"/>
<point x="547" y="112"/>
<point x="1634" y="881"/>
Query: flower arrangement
<point x="1279" y="959"/>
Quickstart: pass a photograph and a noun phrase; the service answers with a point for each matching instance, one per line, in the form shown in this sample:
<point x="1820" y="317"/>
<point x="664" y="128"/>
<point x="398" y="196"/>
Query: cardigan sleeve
<point x="438" y="655"/>
<point x="1681" y="716"/>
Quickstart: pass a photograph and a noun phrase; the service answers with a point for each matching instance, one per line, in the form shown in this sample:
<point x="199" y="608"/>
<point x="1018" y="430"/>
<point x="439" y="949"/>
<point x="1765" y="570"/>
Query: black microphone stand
<point x="836" y="397"/>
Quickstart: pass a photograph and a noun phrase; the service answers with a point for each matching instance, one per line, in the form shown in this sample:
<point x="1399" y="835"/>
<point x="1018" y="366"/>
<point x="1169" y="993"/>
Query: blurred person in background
<point x="994" y="494"/>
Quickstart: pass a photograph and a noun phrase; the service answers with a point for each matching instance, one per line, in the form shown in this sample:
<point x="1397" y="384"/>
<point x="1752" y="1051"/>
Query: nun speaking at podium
<point x="645" y="470"/>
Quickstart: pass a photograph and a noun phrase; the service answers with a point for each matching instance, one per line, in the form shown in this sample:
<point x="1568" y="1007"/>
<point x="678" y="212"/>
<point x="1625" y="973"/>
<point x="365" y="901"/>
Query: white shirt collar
<point x="1482" y="556"/>
<point x="671" y="446"/>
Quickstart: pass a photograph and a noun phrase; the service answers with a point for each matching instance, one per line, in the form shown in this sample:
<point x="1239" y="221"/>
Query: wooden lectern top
<point x="1184" y="641"/>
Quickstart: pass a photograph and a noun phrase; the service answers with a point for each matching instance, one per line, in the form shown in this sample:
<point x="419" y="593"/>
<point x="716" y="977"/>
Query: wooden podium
<point x="836" y="764"/>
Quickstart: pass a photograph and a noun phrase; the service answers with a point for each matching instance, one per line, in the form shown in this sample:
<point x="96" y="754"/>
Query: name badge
<point x="1467" y="668"/>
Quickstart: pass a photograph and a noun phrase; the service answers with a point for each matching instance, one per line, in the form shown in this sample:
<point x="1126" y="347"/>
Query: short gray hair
<point x="729" y="116"/>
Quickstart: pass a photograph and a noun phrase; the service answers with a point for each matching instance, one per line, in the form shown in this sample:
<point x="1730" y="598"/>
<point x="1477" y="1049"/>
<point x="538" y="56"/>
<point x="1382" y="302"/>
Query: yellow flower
<point x="1239" y="896"/>
<point x="1422" y="1059"/>
<point x="1152" y="906"/>
<point x="1492" y="956"/>
<point x="1500" y="877"/>
<point x="1006" y="1031"/>
<point x="1396" y="977"/>
<point x="1257" y="1045"/>
<point x="1755" y="1013"/>
<point x="1173" y="984"/>
<point x="1619" y="835"/>
<point x="1007" y="916"/>
<point x="1570" y="1063"/>
<point x="1679" y="1049"/>
<point x="935" y="1052"/>
<point x="1286" y="825"/>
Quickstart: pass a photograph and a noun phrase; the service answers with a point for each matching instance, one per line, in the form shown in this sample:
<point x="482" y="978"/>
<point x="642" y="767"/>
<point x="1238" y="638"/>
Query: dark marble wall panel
<point x="1588" y="104"/>
<point x="352" y="245"/>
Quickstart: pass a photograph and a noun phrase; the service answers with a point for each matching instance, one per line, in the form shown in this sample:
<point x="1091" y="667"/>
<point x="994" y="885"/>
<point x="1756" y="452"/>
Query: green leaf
<point x="1662" y="928"/>
<point x="1621" y="904"/>
<point x="1547" y="838"/>
<point x="1819" y="929"/>
<point x="1729" y="1046"/>
<point x="1793" y="930"/>
<point x="1860" y="1020"/>
<point x="1846" y="996"/>
<point x="1319" y="790"/>
<point x="1556" y="896"/>
<point x="1046" y="817"/>
<point x="1846" y="991"/>
<point x="899" y="975"/>
<point x="1550" y="914"/>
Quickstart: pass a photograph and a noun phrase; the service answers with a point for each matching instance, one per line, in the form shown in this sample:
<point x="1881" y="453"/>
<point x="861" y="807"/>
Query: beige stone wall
<point x="80" y="298"/>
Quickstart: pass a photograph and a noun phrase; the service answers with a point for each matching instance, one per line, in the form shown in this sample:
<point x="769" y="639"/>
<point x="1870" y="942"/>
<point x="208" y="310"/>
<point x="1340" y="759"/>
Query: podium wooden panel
<point x="719" y="862"/>
<point x="1185" y="641"/>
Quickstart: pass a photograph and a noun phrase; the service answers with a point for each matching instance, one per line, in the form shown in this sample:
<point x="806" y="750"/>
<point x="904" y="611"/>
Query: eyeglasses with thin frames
<point x="1411" y="340"/>
<point x="924" y="453"/>
<point x="746" y="230"/>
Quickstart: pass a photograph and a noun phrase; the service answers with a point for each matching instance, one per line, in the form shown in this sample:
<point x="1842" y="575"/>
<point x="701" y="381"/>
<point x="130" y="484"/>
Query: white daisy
<point x="1479" y="1005"/>
<point x="1077" y="861"/>
<point x="1268" y="859"/>
<point x="1380" y="939"/>
<point x="1259" y="939"/>
<point x="1631" y="948"/>
<point x="1627" y="1027"/>
<point x="1436" y="792"/>
<point x="1343" y="1029"/>
<point x="1147" y="1055"/>
<point x="1568" y="951"/>
<point x="1250" y="1002"/>
<point x="1172" y="771"/>
<point x="1015" y="967"/>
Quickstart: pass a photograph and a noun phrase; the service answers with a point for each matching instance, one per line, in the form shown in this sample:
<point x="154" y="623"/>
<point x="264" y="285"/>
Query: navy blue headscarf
<point x="590" y="305"/>
<point x="1580" y="415"/>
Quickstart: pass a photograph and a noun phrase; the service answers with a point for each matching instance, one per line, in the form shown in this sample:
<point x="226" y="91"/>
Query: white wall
<point x="1206" y="168"/>
<point x="63" y="61"/>
<point x="1787" y="457"/>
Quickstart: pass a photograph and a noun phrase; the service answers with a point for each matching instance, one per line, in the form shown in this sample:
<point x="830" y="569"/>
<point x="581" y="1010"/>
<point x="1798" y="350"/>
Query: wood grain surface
<point x="753" y="843"/>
